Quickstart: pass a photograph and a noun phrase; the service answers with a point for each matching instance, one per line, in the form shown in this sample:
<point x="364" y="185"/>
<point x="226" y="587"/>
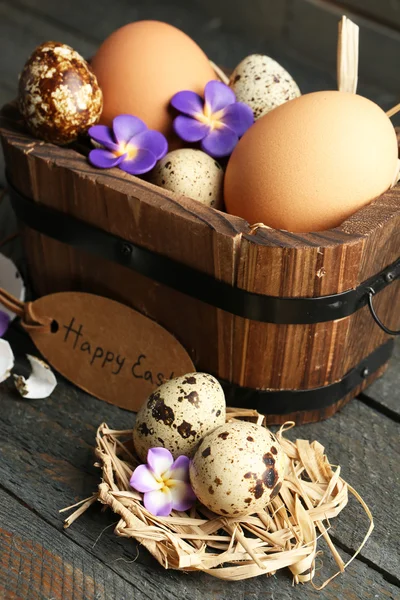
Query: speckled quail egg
<point x="192" y="173"/>
<point x="237" y="469"/>
<point x="178" y="414"/>
<point x="263" y="84"/>
<point x="58" y="94"/>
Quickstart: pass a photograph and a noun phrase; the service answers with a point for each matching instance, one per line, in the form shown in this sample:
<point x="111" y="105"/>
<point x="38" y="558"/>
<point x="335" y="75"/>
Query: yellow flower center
<point x="165" y="480"/>
<point x="213" y="120"/>
<point x="127" y="149"/>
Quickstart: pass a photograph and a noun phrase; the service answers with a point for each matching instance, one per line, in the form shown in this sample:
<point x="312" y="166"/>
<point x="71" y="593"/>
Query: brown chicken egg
<point x="58" y="95"/>
<point x="142" y="65"/>
<point x="312" y="162"/>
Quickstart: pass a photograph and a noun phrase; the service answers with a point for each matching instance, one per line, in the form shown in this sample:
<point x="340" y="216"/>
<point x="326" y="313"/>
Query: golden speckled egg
<point x="178" y="414"/>
<point x="142" y="65"/>
<point x="192" y="173"/>
<point x="58" y="95"/>
<point x="312" y="162"/>
<point x="263" y="84"/>
<point x="238" y="469"/>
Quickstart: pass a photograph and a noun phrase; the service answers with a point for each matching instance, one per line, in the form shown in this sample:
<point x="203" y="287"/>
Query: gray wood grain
<point x="386" y="390"/>
<point x="46" y="456"/>
<point x="21" y="32"/>
<point x="311" y="28"/>
<point x="37" y="562"/>
<point x="6" y="94"/>
<point x="366" y="445"/>
<point x="226" y="34"/>
<point x="384" y="11"/>
<point x="38" y="549"/>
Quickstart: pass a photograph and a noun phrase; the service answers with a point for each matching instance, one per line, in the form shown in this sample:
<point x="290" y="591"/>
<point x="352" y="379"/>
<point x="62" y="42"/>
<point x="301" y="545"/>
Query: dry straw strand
<point x="285" y="534"/>
<point x="347" y="56"/>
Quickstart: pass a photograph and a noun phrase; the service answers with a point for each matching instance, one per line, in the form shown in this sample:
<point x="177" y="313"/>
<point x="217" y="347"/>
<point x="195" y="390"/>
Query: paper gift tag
<point x="107" y="348"/>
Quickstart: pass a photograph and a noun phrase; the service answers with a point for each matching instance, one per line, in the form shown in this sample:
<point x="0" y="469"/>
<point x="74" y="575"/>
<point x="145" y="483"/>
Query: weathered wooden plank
<point x="37" y="562"/>
<point x="6" y="94"/>
<point x="264" y="19"/>
<point x="386" y="390"/>
<point x="311" y="28"/>
<point x="95" y="21"/>
<point x="21" y="32"/>
<point x="366" y="445"/>
<point x="308" y="28"/>
<point x="384" y="11"/>
<point x="215" y="25"/>
<point x="48" y="444"/>
<point x="35" y="559"/>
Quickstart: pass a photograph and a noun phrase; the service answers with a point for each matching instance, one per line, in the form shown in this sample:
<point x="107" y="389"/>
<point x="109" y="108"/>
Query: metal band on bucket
<point x="204" y="287"/>
<point x="284" y="402"/>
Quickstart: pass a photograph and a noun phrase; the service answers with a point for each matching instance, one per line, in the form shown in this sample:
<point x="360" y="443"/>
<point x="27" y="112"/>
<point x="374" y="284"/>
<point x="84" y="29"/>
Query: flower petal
<point x="11" y="280"/>
<point x="143" y="162"/>
<point x="159" y="460"/>
<point x="238" y="117"/>
<point x="188" y="103"/>
<point x="180" y="469"/>
<point x="6" y="360"/>
<point x="218" y="95"/>
<point x="104" y="136"/>
<point x="4" y="322"/>
<point x="158" y="502"/>
<point x="182" y="495"/>
<point x="126" y="126"/>
<point x="104" y="159"/>
<point x="143" y="480"/>
<point x="220" y="142"/>
<point x="151" y="140"/>
<point x="189" y="129"/>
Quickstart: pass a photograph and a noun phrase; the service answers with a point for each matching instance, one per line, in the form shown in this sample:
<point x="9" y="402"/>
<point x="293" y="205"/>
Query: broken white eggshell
<point x="40" y="383"/>
<point x="6" y="360"/>
<point x="11" y="281"/>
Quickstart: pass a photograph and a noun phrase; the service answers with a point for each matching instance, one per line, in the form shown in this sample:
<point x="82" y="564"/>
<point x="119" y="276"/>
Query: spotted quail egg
<point x="191" y="173"/>
<point x="178" y="414"/>
<point x="263" y="84"/>
<point x="58" y="94"/>
<point x="237" y="469"/>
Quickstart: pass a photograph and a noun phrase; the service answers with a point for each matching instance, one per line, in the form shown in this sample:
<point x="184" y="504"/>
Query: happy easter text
<point x="107" y="359"/>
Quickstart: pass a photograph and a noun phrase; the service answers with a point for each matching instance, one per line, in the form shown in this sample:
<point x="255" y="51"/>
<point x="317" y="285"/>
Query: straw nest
<point x="284" y="535"/>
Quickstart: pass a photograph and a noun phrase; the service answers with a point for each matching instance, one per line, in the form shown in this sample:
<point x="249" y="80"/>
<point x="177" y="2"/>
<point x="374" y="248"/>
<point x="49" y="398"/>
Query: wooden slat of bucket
<point x="137" y="211"/>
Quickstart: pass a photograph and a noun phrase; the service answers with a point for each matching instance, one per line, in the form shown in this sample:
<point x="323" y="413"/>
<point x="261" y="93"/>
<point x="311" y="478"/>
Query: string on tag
<point x="347" y="56"/>
<point x="29" y="320"/>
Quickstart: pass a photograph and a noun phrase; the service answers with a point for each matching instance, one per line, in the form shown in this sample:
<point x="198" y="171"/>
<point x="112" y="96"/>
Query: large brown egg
<point x="312" y="162"/>
<point x="142" y="65"/>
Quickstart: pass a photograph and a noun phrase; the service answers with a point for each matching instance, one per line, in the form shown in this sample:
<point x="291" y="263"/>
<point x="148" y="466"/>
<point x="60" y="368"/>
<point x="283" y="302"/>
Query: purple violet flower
<point x="217" y="122"/>
<point x="164" y="483"/>
<point x="4" y="322"/>
<point x="129" y="145"/>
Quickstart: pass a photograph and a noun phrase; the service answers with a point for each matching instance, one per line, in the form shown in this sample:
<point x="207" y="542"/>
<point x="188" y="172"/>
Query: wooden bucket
<point x="250" y="304"/>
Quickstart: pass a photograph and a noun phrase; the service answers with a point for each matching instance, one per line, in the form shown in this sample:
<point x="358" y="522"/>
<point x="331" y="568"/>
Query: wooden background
<point x="46" y="446"/>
